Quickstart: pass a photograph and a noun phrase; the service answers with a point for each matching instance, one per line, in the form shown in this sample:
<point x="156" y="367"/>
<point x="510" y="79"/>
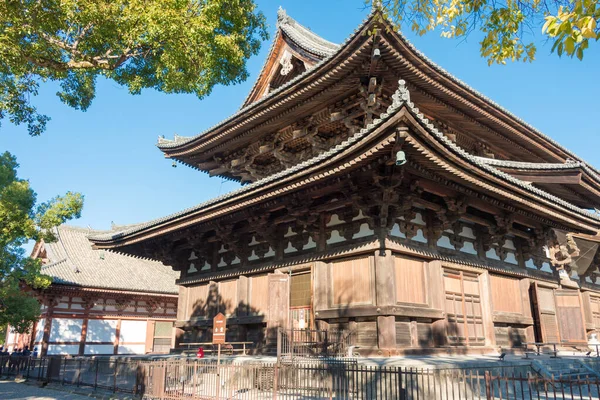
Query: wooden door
<point x="569" y="312"/>
<point x="279" y="304"/>
<point x="463" y="308"/>
<point x="545" y="314"/>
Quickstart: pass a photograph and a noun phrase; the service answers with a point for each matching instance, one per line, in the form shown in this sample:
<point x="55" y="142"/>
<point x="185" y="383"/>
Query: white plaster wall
<point x="133" y="331"/>
<point x="39" y="331"/>
<point x="132" y="349"/>
<point x="101" y="330"/>
<point x="99" y="349"/>
<point x="364" y="231"/>
<point x="66" y="330"/>
<point x="60" y="349"/>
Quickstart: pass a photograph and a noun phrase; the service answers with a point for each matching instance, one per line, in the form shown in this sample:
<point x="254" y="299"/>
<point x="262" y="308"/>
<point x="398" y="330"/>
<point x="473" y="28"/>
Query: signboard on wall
<point x="219" y="329"/>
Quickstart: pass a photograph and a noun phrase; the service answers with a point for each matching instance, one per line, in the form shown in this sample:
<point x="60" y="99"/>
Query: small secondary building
<point x="100" y="302"/>
<point x="384" y="196"/>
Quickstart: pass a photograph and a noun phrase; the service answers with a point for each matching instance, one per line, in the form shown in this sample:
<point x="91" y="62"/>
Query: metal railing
<point x="109" y="374"/>
<point x="199" y="380"/>
<point x="309" y="344"/>
<point x="195" y="380"/>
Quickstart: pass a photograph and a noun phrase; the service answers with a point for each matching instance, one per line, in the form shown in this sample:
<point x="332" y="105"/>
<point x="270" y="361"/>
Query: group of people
<point x="18" y="359"/>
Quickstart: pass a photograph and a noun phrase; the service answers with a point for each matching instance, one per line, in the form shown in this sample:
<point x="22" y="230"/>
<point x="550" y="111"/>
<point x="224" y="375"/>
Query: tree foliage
<point x="21" y="220"/>
<point x="174" y="46"/>
<point x="507" y="26"/>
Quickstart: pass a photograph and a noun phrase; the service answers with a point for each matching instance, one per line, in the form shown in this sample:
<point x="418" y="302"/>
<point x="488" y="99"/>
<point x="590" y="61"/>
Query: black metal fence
<point x="198" y="380"/>
<point x="99" y="373"/>
<point x="195" y="379"/>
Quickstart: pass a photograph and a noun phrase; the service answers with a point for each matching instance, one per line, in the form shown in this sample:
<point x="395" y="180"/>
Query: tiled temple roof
<point x="304" y="37"/>
<point x="179" y="140"/>
<point x="73" y="261"/>
<point x="401" y="100"/>
<point x="297" y="33"/>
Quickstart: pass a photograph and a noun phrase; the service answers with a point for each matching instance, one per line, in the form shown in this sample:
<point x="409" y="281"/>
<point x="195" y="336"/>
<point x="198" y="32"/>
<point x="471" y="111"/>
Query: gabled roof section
<point x="477" y="173"/>
<point x="71" y="260"/>
<point x="291" y="40"/>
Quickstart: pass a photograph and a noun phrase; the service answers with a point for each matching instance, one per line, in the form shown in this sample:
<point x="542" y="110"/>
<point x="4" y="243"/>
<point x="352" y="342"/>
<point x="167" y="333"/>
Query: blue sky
<point x="108" y="153"/>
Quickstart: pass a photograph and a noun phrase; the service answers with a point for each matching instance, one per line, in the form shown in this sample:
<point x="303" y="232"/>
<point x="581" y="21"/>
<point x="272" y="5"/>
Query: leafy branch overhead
<point x="21" y="220"/>
<point x="505" y="25"/>
<point x="173" y="46"/>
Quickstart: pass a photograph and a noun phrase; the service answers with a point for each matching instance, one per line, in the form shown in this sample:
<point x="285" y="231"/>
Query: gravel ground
<point x="20" y="391"/>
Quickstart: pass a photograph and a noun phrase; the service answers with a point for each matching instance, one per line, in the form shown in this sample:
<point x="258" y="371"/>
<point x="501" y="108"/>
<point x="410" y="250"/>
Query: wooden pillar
<point x="437" y="297"/>
<point x="384" y="279"/>
<point x="486" y="309"/>
<point x="176" y="337"/>
<point x="150" y="336"/>
<point x="320" y="282"/>
<point x="117" y="337"/>
<point x="47" y="328"/>
<point x="386" y="332"/>
<point x="83" y="336"/>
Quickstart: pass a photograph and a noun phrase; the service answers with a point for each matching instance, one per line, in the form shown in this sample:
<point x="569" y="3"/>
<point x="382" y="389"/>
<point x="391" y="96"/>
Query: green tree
<point x="173" y="46"/>
<point x="21" y="220"/>
<point x="505" y="25"/>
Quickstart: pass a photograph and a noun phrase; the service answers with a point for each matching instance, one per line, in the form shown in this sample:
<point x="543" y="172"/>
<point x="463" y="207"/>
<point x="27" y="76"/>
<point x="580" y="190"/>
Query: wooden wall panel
<point x="182" y="309"/>
<point x="403" y="338"/>
<point x="228" y="296"/>
<point x="366" y="333"/>
<point x="352" y="281"/>
<point x="506" y="294"/>
<point x="259" y="295"/>
<point x="197" y="297"/>
<point x="410" y="281"/>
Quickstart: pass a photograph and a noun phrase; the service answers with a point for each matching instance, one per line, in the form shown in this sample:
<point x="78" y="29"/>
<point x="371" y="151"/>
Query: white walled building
<point x="100" y="303"/>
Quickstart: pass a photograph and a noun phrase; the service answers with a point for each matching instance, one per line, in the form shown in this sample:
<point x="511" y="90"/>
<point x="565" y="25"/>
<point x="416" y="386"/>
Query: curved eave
<point x="475" y="100"/>
<point x="451" y="159"/>
<point x="362" y="145"/>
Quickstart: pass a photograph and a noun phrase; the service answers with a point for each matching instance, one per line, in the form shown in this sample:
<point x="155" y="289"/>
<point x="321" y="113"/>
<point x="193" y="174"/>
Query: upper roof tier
<point x="312" y="94"/>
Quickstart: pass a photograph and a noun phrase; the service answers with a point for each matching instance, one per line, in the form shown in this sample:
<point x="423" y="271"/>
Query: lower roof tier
<point x="398" y="165"/>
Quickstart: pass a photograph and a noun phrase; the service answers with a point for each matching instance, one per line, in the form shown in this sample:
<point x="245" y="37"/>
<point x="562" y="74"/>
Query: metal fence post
<point x="79" y="373"/>
<point x="488" y="392"/>
<point x="275" y="381"/>
<point x="115" y="376"/>
<point x="279" y="339"/>
<point x="96" y="378"/>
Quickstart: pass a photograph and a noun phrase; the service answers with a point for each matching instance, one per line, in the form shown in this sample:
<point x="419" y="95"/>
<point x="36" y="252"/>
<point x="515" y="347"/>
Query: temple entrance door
<point x="279" y="305"/>
<point x="544" y="314"/>
<point x="569" y="312"/>
<point x="463" y="308"/>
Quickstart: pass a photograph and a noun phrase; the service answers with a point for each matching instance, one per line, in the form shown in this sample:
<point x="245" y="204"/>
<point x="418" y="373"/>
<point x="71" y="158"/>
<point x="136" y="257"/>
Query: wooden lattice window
<point x="162" y="337"/>
<point x="463" y="308"/>
<point x="300" y="290"/>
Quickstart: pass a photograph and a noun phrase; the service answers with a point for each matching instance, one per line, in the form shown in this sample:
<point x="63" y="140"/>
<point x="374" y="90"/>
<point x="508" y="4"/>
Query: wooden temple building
<point x="384" y="196"/>
<point x="99" y="302"/>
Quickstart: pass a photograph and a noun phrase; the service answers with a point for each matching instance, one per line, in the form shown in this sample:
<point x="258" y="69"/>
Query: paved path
<point x="21" y="391"/>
